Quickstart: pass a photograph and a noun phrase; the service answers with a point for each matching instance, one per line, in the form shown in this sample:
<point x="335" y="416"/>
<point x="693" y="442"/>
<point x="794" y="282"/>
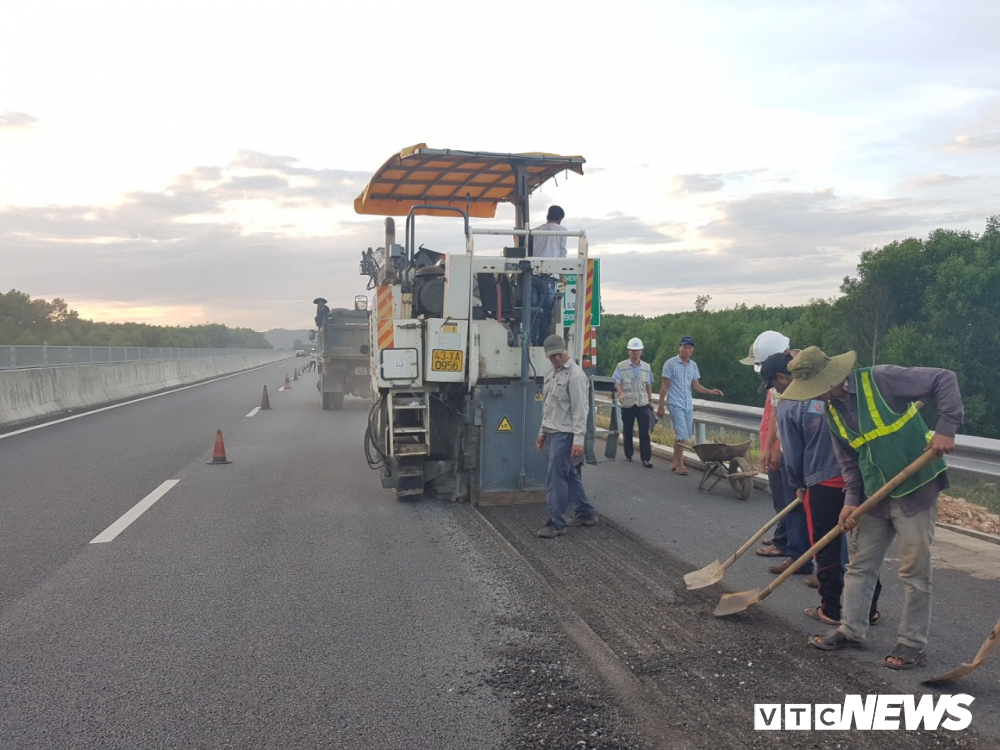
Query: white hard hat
<point x="768" y="343"/>
<point x="634" y="343"/>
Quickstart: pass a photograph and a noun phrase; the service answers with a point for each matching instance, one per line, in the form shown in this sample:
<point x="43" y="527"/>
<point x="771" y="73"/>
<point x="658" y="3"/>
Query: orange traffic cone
<point x="219" y="454"/>
<point x="288" y="386"/>
<point x="295" y="375"/>
<point x="265" y="402"/>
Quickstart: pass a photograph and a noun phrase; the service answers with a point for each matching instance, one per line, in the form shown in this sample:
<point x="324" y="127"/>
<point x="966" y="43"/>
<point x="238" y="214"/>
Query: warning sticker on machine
<point x="504" y="426"/>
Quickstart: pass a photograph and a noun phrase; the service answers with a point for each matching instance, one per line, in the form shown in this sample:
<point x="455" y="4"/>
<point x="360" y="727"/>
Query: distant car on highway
<point x="300" y="353"/>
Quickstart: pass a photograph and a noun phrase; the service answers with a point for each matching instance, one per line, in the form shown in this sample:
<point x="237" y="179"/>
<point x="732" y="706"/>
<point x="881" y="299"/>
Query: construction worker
<point x="878" y="432"/>
<point x="321" y="311"/>
<point x="564" y="422"/>
<point x="814" y="474"/>
<point x="680" y="375"/>
<point x="543" y="286"/>
<point x="791" y="537"/>
<point x="634" y="383"/>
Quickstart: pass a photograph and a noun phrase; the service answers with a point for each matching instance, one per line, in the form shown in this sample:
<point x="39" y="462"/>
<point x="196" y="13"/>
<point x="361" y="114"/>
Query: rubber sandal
<point x="767" y="542"/>
<point x="819" y="614"/>
<point x="911" y="657"/>
<point x="770" y="552"/>
<point x="873" y="620"/>
<point x="832" y="641"/>
<point x="683" y="473"/>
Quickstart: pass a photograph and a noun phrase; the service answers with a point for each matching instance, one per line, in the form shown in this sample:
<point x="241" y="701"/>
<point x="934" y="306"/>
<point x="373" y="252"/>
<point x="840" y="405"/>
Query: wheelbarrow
<point x="724" y="461"/>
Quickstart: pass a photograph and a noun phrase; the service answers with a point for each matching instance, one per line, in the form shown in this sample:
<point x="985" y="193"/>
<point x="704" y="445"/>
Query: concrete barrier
<point x="27" y="395"/>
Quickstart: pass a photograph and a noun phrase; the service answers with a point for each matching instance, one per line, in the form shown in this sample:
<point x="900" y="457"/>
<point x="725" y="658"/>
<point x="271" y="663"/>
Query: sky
<point x="181" y="162"/>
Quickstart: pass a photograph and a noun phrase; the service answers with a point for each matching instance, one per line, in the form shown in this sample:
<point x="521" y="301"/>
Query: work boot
<point x="585" y="521"/>
<point x="550" y="532"/>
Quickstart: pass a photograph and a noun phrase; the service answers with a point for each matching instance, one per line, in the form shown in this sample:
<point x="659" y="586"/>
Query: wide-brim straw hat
<point x="814" y="373"/>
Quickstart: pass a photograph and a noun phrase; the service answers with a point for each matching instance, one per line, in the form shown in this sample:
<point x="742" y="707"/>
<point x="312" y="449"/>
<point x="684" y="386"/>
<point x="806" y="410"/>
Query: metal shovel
<point x="713" y="572"/>
<point x="611" y="443"/>
<point x="730" y="604"/>
<point x="980" y="657"/>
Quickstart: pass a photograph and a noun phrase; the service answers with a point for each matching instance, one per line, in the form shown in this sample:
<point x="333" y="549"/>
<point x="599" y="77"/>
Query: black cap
<point x="774" y="365"/>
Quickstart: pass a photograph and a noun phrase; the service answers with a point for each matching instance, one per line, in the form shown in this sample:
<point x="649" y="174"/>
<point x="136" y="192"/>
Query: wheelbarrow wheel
<point x="742" y="486"/>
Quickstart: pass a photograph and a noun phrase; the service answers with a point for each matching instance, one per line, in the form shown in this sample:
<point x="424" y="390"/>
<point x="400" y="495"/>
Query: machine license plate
<point x="446" y="360"/>
<point x="360" y="370"/>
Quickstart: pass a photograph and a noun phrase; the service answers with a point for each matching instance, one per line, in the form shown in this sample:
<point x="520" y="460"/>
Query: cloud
<point x="17" y="120"/>
<point x="936" y="180"/>
<point x="975" y="142"/>
<point x="786" y="223"/>
<point x="618" y="229"/>
<point x="710" y="183"/>
<point x="188" y="248"/>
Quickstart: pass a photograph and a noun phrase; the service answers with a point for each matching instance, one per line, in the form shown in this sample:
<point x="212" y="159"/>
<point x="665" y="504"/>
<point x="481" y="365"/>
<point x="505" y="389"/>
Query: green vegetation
<point x="933" y="302"/>
<point x="26" y="321"/>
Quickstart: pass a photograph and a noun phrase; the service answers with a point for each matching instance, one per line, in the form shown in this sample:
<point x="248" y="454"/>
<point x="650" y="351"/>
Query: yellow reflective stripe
<point x="866" y="387"/>
<point x="839" y="423"/>
<point x="883" y="430"/>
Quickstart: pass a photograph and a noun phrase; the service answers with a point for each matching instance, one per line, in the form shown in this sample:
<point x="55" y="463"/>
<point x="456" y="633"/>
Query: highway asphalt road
<point x="286" y="600"/>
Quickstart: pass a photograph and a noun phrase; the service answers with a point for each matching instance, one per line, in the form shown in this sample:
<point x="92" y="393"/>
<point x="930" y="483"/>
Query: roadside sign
<point x="573" y="289"/>
<point x="569" y="300"/>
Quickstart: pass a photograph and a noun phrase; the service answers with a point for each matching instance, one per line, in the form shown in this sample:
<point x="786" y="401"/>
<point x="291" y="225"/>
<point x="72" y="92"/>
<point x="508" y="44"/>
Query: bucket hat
<point x="814" y="373"/>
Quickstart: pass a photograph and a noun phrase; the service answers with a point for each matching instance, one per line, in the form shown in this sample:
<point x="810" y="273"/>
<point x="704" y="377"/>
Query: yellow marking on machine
<point x="446" y="360"/>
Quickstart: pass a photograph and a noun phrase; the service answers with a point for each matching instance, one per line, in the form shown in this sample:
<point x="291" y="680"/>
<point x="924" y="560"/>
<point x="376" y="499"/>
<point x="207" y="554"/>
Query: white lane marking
<point x="137" y="510"/>
<point x="282" y="388"/>
<point x="257" y="409"/>
<point x="126" y="403"/>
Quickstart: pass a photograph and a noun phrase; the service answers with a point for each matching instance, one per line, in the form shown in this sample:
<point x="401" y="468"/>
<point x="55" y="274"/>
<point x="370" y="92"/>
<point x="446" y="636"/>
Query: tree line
<point x="931" y="302"/>
<point x="25" y="321"/>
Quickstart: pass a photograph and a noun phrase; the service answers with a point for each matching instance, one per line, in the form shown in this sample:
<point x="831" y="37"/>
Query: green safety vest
<point x="878" y="458"/>
<point x="634" y="386"/>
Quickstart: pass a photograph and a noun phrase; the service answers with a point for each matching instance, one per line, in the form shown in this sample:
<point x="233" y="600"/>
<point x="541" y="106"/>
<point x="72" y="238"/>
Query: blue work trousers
<point x="543" y="299"/>
<point x="796" y="525"/>
<point x="563" y="486"/>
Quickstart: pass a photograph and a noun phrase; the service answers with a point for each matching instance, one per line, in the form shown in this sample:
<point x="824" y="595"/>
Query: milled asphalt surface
<point x="667" y="511"/>
<point x="288" y="601"/>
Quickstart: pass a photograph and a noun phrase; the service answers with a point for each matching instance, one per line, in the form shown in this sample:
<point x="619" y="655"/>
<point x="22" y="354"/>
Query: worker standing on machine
<point x="543" y="286"/>
<point x="564" y="423"/>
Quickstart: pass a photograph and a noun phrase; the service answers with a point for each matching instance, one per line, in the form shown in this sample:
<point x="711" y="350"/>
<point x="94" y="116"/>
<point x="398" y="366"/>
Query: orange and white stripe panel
<point x="383" y="315"/>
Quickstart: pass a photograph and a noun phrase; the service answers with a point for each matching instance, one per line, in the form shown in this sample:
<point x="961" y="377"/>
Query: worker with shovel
<point x="813" y="471"/>
<point x="877" y="433"/>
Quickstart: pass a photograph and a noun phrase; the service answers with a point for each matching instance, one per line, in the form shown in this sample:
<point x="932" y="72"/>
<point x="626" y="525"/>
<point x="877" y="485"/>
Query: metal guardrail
<point x="974" y="455"/>
<point x="24" y="357"/>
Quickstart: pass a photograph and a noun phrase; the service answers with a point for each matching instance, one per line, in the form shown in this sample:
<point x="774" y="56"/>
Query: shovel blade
<point x="730" y="604"/>
<point x="952" y="675"/>
<point x="611" y="446"/>
<point x="699" y="579"/>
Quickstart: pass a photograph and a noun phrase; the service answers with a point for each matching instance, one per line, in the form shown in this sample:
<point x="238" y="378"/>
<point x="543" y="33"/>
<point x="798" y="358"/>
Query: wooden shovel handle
<point x="763" y="530"/>
<point x="925" y="458"/>
<point x="988" y="644"/>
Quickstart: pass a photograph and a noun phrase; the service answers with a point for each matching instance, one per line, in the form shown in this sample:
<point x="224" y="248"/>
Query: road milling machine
<point x="456" y="381"/>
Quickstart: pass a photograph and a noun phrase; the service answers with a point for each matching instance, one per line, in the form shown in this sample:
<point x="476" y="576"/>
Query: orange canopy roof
<point x="473" y="180"/>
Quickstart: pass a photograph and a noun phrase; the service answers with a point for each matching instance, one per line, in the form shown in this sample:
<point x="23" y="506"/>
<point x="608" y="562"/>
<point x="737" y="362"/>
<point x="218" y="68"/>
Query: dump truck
<point x="343" y="355"/>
